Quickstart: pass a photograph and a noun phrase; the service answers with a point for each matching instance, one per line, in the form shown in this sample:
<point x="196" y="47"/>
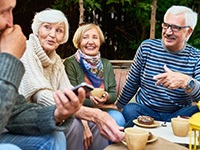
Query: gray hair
<point x="190" y="16"/>
<point x="50" y="16"/>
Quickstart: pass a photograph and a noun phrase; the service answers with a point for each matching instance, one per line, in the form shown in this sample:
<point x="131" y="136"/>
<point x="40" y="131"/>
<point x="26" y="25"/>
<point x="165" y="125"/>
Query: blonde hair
<point x="84" y="28"/>
<point x="50" y="16"/>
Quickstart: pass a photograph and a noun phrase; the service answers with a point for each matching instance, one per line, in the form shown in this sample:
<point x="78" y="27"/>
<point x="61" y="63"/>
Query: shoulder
<point x="151" y="42"/>
<point x="194" y="52"/>
<point x="69" y="59"/>
<point x="105" y="61"/>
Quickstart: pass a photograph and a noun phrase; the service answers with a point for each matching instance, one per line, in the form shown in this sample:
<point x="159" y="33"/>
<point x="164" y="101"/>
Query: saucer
<point x="155" y="124"/>
<point x="154" y="138"/>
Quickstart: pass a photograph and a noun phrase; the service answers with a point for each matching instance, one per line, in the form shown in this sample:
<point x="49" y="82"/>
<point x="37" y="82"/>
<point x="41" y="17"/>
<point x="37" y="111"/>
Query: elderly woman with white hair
<point x="44" y="70"/>
<point x="45" y="74"/>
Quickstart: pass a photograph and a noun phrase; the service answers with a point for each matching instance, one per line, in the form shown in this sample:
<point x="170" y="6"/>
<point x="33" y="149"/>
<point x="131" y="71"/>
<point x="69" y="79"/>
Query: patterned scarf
<point x="92" y="66"/>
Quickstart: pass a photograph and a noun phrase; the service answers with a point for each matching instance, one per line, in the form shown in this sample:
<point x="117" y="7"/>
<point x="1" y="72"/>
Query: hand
<point x="109" y="128"/>
<point x="67" y="103"/>
<point x="172" y="80"/>
<point x="105" y="123"/>
<point x="87" y="135"/>
<point x="13" y="41"/>
<point x="99" y="101"/>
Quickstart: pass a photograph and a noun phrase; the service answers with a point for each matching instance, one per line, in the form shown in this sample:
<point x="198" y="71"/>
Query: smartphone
<point x="84" y="85"/>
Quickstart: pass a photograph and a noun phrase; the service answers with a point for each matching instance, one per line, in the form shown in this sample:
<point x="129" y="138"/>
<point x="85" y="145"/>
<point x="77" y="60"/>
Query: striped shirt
<point x="149" y="61"/>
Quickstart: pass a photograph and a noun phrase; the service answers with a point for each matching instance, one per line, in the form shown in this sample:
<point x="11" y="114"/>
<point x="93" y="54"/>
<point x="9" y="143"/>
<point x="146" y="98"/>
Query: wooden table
<point x="159" y="144"/>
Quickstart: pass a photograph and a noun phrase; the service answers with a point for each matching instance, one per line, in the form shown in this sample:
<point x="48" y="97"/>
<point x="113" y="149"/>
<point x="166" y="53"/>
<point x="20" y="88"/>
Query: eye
<point x="48" y="27"/>
<point x="6" y="12"/>
<point x="174" y="27"/>
<point x="165" y="25"/>
<point x="60" y="30"/>
<point x="95" y="37"/>
<point x="85" y="37"/>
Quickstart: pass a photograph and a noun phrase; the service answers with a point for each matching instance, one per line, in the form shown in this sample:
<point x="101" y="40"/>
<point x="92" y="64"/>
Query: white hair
<point x="50" y="16"/>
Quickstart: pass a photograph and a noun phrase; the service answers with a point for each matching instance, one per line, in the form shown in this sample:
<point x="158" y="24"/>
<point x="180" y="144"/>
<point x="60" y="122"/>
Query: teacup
<point x="136" y="138"/>
<point x="98" y="92"/>
<point x="180" y="126"/>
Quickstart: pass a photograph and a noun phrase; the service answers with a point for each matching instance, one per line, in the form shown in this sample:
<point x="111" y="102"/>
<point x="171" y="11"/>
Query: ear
<point x="189" y="32"/>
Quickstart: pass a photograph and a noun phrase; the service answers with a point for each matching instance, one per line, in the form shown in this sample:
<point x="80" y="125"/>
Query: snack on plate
<point x="147" y="120"/>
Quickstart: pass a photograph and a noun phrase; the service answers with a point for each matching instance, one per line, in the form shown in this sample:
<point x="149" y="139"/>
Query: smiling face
<point x="51" y="35"/>
<point x="90" y="42"/>
<point x="174" y="41"/>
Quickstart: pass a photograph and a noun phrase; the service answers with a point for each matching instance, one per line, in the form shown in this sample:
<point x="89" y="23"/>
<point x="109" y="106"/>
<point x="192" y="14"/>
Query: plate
<point x="155" y="124"/>
<point x="154" y="138"/>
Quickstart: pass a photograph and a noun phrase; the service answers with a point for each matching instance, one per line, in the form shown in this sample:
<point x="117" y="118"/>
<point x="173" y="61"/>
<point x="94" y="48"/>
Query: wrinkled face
<point x="174" y="40"/>
<point x="51" y="35"/>
<point x="90" y="42"/>
<point x="6" y="16"/>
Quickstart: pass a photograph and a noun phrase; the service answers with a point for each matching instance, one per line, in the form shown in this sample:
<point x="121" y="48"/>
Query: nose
<point x="9" y="18"/>
<point x="90" y="40"/>
<point x="169" y="30"/>
<point x="52" y="33"/>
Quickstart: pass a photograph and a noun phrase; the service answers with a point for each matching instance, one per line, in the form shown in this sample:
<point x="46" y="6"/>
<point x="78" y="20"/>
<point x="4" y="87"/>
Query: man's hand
<point x="172" y="80"/>
<point x="109" y="128"/>
<point x="105" y="123"/>
<point x="67" y="103"/>
<point x="13" y="41"/>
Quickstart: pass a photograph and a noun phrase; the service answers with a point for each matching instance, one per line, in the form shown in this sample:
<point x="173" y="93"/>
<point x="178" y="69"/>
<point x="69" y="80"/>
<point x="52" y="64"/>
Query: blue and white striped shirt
<point x="149" y="61"/>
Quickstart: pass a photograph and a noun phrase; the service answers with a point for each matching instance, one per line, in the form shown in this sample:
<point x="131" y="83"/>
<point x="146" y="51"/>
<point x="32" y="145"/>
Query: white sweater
<point x="44" y="74"/>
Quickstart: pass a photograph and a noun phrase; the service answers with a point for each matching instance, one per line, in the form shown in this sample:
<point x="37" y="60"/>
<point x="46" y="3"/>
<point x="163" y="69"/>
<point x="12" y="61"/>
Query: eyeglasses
<point x="173" y="27"/>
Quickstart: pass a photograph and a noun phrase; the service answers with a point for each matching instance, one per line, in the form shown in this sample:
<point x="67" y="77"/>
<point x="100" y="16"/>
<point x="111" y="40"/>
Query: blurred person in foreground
<point x="28" y="125"/>
<point x="87" y="65"/>
<point x="45" y="74"/>
<point x="165" y="72"/>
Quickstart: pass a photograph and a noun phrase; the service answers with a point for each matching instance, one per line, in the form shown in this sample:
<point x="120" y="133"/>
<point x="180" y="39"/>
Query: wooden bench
<point x="120" y="77"/>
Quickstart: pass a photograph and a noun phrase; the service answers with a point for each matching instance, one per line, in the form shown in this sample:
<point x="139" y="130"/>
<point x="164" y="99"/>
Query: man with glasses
<point x="165" y="72"/>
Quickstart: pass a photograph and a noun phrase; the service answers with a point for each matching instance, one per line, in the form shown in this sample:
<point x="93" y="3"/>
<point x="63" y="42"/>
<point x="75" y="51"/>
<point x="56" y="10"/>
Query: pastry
<point x="147" y="120"/>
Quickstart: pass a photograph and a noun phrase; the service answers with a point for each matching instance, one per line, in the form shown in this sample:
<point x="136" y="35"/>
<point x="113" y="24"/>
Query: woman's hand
<point x="87" y="135"/>
<point x="99" y="101"/>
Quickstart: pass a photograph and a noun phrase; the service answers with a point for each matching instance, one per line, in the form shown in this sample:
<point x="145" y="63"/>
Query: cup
<point x="180" y="126"/>
<point x="136" y="138"/>
<point x="98" y="92"/>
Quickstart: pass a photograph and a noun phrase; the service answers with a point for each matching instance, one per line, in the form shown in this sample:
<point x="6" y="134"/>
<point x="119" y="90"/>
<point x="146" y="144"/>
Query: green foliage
<point x="123" y="35"/>
<point x="118" y="2"/>
<point x="92" y="4"/>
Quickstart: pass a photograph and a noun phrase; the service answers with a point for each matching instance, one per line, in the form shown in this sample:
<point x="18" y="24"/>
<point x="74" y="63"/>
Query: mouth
<point x="50" y="42"/>
<point x="90" y="47"/>
<point x="172" y="37"/>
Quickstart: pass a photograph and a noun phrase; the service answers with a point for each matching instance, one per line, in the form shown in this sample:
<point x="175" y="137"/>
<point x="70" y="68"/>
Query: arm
<point x="12" y="41"/>
<point x="105" y="123"/>
<point x="132" y="82"/>
<point x="21" y="117"/>
<point x="31" y="119"/>
<point x="10" y="76"/>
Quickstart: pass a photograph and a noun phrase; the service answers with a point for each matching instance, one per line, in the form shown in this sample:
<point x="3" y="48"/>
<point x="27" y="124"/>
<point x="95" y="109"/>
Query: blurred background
<point x="125" y="23"/>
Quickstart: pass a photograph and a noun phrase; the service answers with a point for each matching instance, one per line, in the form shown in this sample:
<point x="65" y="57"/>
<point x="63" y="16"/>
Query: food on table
<point x="147" y="120"/>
